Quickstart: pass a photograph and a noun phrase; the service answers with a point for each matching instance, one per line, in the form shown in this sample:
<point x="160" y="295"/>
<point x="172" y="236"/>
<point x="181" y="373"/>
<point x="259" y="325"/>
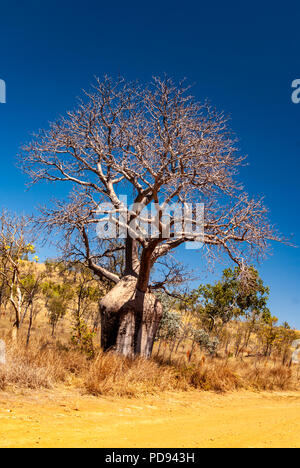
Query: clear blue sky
<point x="243" y="57"/>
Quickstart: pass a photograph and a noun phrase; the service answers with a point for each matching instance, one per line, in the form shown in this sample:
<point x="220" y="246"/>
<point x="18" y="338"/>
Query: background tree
<point x="232" y="298"/>
<point x="31" y="287"/>
<point x="88" y="292"/>
<point x="4" y="290"/>
<point x="170" y="327"/>
<point x="155" y="144"/>
<point x="58" y="299"/>
<point x="16" y="248"/>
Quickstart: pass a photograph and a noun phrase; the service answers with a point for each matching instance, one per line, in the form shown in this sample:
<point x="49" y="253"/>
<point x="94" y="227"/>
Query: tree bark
<point x="129" y="319"/>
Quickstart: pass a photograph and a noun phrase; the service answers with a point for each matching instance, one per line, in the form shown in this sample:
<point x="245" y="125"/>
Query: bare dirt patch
<point x="65" y="418"/>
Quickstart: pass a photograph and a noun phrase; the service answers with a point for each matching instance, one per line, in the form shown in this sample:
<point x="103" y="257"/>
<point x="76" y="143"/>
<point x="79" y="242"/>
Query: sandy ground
<point x="63" y="418"/>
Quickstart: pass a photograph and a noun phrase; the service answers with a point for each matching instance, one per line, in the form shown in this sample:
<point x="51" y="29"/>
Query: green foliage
<point x="171" y="323"/>
<point x="275" y="337"/>
<point x="87" y="294"/>
<point x="30" y="285"/>
<point x="232" y="297"/>
<point x="57" y="301"/>
<point x="170" y="326"/>
<point x="82" y="338"/>
<point x="205" y="341"/>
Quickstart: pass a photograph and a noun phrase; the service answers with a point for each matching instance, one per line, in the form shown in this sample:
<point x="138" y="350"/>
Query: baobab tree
<point x="159" y="146"/>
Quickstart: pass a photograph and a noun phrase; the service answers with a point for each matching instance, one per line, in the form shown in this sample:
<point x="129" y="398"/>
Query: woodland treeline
<point x="160" y="146"/>
<point x="230" y="318"/>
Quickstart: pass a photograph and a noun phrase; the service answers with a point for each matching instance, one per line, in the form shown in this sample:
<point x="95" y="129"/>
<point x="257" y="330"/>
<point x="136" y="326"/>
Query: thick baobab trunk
<point x="129" y="319"/>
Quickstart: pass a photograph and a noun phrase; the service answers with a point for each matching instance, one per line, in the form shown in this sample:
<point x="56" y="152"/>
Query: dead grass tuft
<point x="41" y="365"/>
<point x="276" y="377"/>
<point x="215" y="376"/>
<point x="111" y="374"/>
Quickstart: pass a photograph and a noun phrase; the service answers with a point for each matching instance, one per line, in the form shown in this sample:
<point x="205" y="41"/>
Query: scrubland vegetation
<point x="45" y="364"/>
<point x="211" y="339"/>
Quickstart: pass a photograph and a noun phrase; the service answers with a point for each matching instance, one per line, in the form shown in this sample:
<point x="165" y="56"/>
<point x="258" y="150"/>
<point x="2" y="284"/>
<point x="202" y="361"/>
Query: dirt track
<point x="66" y="419"/>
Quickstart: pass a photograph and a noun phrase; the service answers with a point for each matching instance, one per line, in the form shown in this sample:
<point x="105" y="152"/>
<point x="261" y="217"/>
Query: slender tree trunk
<point x="178" y="344"/>
<point x="159" y="346"/>
<point x="17" y="305"/>
<point x="192" y="350"/>
<point x="172" y="347"/>
<point x="29" y="325"/>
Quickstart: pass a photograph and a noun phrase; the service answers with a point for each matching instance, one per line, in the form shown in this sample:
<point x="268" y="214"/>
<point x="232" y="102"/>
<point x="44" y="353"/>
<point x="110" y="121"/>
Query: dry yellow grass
<point x="41" y="365"/>
<point x="223" y="376"/>
<point x="115" y="375"/>
<point x="44" y="364"/>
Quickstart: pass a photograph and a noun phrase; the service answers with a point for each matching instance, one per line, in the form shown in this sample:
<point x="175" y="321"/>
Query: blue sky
<point x="242" y="57"/>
